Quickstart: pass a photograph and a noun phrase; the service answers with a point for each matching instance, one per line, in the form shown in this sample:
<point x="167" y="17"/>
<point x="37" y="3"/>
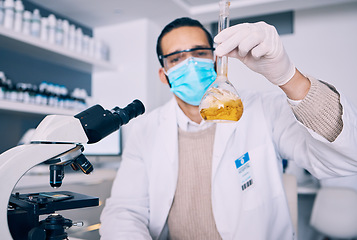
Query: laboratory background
<point x="62" y="57"/>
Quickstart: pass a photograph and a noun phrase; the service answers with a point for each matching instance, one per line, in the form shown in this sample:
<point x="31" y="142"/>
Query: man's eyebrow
<point x="201" y="46"/>
<point x="194" y="46"/>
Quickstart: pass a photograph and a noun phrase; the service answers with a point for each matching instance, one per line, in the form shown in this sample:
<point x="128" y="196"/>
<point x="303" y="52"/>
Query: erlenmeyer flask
<point x="221" y="101"/>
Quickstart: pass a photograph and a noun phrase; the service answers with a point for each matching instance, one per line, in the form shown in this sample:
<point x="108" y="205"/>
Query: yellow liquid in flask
<point x="221" y="105"/>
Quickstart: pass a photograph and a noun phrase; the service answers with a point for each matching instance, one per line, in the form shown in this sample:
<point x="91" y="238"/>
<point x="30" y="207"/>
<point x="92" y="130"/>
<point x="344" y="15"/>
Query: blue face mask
<point x="191" y="78"/>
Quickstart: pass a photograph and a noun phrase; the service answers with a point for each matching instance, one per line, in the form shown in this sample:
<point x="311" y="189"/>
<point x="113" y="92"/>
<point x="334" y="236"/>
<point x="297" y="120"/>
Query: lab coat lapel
<point x="168" y="164"/>
<point x="223" y="133"/>
<point x="168" y="131"/>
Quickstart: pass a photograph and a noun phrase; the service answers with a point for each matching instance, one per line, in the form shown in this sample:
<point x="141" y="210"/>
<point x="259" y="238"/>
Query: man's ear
<point x="163" y="76"/>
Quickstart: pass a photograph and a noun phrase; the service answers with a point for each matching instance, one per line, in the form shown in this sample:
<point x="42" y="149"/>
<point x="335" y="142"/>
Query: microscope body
<point x="50" y="140"/>
<point x="58" y="140"/>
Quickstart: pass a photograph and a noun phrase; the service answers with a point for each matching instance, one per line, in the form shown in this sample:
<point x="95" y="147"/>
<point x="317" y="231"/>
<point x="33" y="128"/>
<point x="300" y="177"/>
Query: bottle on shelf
<point x="51" y="28"/>
<point x="59" y="33"/>
<point x="10" y="92"/>
<point x="23" y="92"/>
<point x="1" y="12"/>
<point x="97" y="48"/>
<point x="9" y="12"/>
<point x="44" y="29"/>
<point x="105" y="52"/>
<point x="65" y="28"/>
<point x="19" y="10"/>
<point x="36" y="23"/>
<point x="85" y="46"/>
<point x="26" y="23"/>
<point x="43" y="94"/>
<point x="79" y="97"/>
<point x="20" y="92"/>
<point x="79" y="40"/>
<point x="2" y="85"/>
<point x="91" y="47"/>
<point x="72" y="37"/>
<point x="6" y="87"/>
<point x="64" y="97"/>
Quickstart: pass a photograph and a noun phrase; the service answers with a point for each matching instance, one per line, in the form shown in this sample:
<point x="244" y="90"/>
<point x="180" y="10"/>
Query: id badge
<point x="244" y="171"/>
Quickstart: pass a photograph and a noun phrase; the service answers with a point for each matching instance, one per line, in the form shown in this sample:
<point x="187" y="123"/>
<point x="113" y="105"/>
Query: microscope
<point x="58" y="141"/>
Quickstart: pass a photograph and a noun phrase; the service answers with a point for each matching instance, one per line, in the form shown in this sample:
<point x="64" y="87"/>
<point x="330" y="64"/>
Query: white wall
<point x="328" y="46"/>
<point x="133" y="52"/>
<point x="158" y="92"/>
<point x="324" y="45"/>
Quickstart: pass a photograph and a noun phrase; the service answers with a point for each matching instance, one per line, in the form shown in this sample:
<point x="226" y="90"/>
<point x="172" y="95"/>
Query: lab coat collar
<point x="186" y="124"/>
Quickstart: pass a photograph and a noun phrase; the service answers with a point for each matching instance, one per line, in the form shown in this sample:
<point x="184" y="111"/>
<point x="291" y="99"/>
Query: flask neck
<point x="223" y="23"/>
<point x="222" y="66"/>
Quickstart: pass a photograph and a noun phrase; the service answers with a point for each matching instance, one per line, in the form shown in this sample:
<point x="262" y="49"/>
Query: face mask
<point x="191" y="78"/>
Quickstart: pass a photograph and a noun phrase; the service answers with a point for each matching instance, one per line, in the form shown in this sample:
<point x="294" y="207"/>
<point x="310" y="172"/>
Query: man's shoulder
<point x="158" y="114"/>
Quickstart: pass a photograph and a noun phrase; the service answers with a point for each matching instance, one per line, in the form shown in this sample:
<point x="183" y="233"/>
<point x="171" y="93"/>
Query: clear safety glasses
<point x="175" y="58"/>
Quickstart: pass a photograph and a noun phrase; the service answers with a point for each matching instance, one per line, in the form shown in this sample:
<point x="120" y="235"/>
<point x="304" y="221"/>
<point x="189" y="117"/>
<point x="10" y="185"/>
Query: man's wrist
<point x="298" y="86"/>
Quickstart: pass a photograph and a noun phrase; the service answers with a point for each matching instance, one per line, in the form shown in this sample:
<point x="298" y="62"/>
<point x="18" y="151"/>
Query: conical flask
<point x="221" y="102"/>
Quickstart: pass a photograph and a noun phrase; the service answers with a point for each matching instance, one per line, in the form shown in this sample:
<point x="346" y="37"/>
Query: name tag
<point x="244" y="171"/>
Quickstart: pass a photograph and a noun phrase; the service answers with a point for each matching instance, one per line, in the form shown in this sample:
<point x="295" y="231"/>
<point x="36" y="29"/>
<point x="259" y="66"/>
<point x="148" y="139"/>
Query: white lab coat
<point x="144" y="188"/>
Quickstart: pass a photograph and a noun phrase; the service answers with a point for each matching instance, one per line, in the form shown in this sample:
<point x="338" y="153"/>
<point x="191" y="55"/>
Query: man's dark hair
<point x="180" y="22"/>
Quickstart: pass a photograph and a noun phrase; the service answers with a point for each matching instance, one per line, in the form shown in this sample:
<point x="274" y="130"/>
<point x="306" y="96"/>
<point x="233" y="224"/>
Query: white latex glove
<point x="258" y="46"/>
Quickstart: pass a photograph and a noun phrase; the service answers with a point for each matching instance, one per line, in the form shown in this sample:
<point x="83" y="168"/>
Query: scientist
<point x="183" y="178"/>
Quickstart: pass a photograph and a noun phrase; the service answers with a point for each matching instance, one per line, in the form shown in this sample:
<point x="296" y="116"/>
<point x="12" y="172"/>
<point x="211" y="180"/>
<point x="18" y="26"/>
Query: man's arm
<point x="259" y="47"/>
<point x="320" y="109"/>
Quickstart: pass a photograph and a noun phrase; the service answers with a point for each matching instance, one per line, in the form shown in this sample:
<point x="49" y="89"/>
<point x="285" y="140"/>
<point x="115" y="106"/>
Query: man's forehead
<point x="184" y="38"/>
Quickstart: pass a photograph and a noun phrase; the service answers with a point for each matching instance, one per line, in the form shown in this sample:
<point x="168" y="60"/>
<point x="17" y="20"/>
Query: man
<point x="183" y="178"/>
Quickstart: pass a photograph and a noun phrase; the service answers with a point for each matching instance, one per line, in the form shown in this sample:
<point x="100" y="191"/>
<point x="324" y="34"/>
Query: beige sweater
<point x="191" y="214"/>
<point x="321" y="110"/>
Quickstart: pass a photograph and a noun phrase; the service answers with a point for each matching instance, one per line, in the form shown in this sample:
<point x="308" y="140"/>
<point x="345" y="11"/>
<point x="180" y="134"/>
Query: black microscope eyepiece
<point x="99" y="123"/>
<point x="131" y="111"/>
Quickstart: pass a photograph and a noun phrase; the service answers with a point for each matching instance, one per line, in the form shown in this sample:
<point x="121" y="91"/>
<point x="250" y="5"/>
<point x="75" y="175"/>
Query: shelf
<point x="25" y="44"/>
<point x="19" y="107"/>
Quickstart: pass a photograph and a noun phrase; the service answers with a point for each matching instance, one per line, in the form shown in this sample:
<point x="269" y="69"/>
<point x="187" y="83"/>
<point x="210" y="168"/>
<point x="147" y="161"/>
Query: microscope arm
<point x="16" y="162"/>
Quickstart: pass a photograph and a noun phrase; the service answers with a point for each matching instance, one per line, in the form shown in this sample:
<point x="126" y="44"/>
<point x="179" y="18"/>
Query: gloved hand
<point x="258" y="46"/>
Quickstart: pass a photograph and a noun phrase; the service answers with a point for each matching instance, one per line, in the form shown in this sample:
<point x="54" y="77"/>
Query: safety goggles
<point x="172" y="59"/>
